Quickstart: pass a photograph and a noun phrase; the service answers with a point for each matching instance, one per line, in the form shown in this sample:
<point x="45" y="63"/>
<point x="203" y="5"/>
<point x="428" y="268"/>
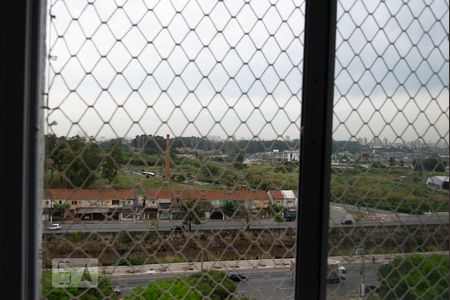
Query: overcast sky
<point x="233" y="68"/>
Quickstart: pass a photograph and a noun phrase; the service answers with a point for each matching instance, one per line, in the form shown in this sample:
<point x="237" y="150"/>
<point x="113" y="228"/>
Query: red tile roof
<point x="194" y="194"/>
<point x="89" y="194"/>
<point x="278" y="195"/>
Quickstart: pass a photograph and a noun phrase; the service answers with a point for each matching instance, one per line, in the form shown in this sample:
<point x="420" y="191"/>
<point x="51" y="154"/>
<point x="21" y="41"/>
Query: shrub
<point x="415" y="277"/>
<point x="209" y="284"/>
<point x="75" y="236"/>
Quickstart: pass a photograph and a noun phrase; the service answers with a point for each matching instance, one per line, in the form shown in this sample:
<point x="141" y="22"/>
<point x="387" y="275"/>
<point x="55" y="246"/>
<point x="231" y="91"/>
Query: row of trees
<point x="430" y="164"/>
<point x="151" y="144"/>
<point x="78" y="161"/>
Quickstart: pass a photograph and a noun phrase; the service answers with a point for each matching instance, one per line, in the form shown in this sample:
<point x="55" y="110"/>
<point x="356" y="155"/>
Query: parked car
<point x="237" y="277"/>
<point x="116" y="289"/>
<point x="289" y="215"/>
<point x="179" y="228"/>
<point x="54" y="227"/>
<point x="335" y="276"/>
<point x="370" y="289"/>
<point x="347" y="222"/>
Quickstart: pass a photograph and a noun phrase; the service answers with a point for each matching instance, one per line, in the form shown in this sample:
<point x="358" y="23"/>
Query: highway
<point x="165" y="226"/>
<point x="270" y="283"/>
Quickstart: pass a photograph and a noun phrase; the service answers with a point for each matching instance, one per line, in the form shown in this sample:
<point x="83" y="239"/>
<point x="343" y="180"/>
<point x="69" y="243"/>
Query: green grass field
<point x="395" y="189"/>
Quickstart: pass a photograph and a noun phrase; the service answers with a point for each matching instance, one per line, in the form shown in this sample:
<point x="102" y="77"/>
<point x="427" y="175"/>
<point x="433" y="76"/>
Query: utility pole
<point x="167" y="158"/>
<point x="362" y="291"/>
<point x="201" y="266"/>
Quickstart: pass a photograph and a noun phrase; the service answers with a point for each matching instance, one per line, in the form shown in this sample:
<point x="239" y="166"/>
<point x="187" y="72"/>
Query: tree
<point x="276" y="208"/>
<point x="229" y="208"/>
<point x="50" y="149"/>
<point x="112" y="162"/>
<point x="228" y="178"/>
<point x="75" y="159"/>
<point x="391" y="161"/>
<point x="64" y="207"/>
<point x="193" y="211"/>
<point x="415" y="277"/>
<point x="433" y="164"/>
<point x="376" y="164"/>
<point x="278" y="218"/>
<point x="429" y="164"/>
<point x="82" y="162"/>
<point x="417" y="165"/>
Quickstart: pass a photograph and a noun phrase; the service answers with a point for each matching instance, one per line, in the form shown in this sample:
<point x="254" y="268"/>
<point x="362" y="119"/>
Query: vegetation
<point x="102" y="291"/>
<point x="211" y="284"/>
<point x="229" y="208"/>
<point x="430" y="164"/>
<point x="76" y="236"/>
<point x="79" y="163"/>
<point x="169" y="246"/>
<point x="192" y="211"/>
<point x="112" y="163"/>
<point x="153" y="144"/>
<point x="395" y="189"/>
<point x="415" y="277"/>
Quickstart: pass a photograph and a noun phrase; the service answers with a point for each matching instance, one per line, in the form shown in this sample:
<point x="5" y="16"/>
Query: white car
<point x="54" y="227"/>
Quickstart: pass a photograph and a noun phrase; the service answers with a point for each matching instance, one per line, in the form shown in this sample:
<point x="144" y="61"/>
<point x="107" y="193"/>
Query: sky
<point x="234" y="69"/>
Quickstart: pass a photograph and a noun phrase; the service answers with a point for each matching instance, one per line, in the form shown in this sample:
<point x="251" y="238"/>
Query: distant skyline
<point x="232" y="75"/>
<point x="363" y="141"/>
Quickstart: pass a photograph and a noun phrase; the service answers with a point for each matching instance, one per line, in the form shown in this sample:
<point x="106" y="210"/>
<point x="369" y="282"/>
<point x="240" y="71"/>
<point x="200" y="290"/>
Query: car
<point x="289" y="216"/>
<point x="116" y="289"/>
<point x="54" y="227"/>
<point x="237" y="277"/>
<point x="342" y="269"/>
<point x="347" y="222"/>
<point x="335" y="277"/>
<point x="179" y="228"/>
<point x="370" y="289"/>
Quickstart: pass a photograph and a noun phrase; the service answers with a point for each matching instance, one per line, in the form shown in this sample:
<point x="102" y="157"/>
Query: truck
<point x="335" y="274"/>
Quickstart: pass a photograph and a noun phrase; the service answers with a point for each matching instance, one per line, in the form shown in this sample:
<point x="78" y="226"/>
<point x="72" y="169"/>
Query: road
<point x="138" y="226"/>
<point x="273" y="283"/>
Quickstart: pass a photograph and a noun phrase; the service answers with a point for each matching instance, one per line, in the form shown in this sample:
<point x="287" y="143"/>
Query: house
<point x="439" y="183"/>
<point x="158" y="204"/>
<point x="286" y="198"/>
<point x="210" y="203"/>
<point x="127" y="205"/>
<point x="90" y="204"/>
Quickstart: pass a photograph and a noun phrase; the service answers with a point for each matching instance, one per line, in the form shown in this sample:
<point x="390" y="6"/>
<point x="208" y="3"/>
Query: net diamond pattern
<point x="390" y="151"/>
<point x="172" y="146"/>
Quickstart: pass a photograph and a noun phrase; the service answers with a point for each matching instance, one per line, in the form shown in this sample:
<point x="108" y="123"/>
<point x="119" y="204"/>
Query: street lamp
<point x="362" y="291"/>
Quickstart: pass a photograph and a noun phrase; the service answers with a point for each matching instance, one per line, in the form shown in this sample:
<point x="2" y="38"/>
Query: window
<point x="203" y="98"/>
<point x="388" y="230"/>
<point x="184" y="93"/>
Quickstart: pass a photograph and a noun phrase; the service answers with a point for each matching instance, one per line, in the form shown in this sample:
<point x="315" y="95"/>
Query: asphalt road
<point x="274" y="283"/>
<point x="402" y="220"/>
